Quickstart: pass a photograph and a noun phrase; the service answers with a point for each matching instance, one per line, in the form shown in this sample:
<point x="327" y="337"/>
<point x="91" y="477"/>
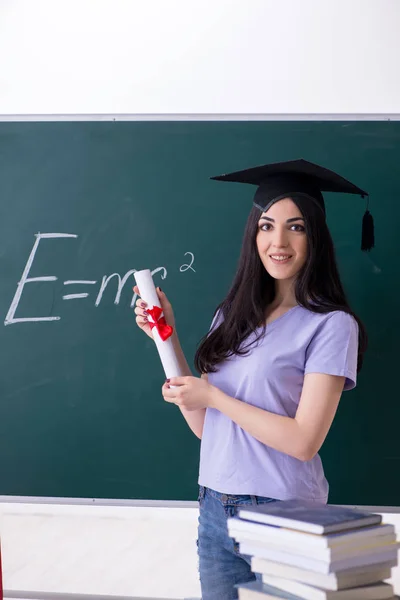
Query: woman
<point x="283" y="346"/>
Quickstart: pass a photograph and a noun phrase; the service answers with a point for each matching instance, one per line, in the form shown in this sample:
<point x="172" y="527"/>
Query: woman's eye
<point x="296" y="227"/>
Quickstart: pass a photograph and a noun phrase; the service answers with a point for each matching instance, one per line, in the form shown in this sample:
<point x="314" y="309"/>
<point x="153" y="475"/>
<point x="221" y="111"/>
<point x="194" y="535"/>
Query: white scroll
<point x="165" y="347"/>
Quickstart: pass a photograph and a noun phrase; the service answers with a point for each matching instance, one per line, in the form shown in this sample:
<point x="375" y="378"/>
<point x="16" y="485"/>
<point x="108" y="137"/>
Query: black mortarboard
<point x="299" y="178"/>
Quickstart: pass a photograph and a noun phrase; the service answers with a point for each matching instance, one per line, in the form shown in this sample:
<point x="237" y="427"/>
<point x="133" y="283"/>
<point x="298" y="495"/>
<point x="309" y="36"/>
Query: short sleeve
<point x="334" y="348"/>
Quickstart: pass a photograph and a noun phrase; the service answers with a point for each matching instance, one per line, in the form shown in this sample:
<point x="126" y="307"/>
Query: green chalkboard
<point x="81" y="414"/>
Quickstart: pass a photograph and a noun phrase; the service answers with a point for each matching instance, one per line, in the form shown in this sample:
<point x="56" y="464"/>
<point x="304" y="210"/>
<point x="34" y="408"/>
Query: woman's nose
<point x="280" y="239"/>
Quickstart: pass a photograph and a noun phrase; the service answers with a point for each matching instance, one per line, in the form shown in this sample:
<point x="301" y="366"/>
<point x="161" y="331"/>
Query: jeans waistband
<point x="233" y="499"/>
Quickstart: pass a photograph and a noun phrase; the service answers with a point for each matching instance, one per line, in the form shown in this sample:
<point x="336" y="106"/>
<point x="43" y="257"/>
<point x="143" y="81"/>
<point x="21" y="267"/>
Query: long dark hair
<point x="318" y="288"/>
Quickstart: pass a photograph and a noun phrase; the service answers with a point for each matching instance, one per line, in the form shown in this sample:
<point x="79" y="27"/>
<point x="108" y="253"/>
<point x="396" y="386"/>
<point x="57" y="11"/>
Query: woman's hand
<point x="141" y="314"/>
<point x="190" y="393"/>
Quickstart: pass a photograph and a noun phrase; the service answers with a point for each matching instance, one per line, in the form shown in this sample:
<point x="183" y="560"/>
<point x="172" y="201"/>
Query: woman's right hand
<point x="142" y="317"/>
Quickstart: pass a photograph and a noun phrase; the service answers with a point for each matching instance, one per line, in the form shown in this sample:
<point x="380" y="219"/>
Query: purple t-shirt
<point x="271" y="377"/>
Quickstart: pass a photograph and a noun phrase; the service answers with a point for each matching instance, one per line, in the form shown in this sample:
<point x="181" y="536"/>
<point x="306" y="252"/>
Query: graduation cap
<point x="293" y="178"/>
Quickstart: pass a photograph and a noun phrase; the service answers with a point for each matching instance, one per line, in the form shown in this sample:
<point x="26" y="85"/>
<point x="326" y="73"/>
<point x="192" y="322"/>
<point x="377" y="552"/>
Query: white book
<point x="306" y="515"/>
<point x="283" y="534"/>
<point x="325" y="554"/>
<point x="257" y="590"/>
<point x="312" y="564"/>
<point x="330" y="581"/>
<point x="377" y="591"/>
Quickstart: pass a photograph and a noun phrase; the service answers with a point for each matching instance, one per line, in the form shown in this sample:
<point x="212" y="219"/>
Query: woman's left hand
<point x="190" y="393"/>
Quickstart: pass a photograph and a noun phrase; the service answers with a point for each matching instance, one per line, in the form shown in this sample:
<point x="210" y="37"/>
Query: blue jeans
<point x="220" y="564"/>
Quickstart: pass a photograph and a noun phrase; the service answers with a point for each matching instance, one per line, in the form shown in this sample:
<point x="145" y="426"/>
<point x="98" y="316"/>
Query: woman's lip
<point x="282" y="261"/>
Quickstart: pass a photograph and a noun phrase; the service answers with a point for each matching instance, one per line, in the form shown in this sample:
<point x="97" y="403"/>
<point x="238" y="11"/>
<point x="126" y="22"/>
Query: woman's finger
<point x="141" y="311"/>
<point x="170" y="400"/>
<point x="167" y="397"/>
<point x="169" y="392"/>
<point x="162" y="297"/>
<point x="141" y="302"/>
<point x="143" y="323"/>
<point x="180" y="381"/>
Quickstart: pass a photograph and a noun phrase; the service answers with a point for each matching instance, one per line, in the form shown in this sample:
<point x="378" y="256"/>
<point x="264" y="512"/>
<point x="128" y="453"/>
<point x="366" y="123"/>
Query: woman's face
<point x="281" y="240"/>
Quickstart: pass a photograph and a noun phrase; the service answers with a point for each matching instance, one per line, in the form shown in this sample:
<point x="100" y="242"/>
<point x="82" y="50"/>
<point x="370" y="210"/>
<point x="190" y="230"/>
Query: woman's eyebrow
<point x="288" y="221"/>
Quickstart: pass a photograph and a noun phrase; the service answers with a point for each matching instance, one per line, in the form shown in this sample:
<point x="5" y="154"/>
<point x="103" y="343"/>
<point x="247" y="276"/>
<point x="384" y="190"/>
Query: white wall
<point x="204" y="56"/>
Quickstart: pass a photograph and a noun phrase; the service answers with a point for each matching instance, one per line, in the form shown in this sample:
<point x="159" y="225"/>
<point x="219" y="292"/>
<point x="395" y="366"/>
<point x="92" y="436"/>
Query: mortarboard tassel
<point x="368" y="234"/>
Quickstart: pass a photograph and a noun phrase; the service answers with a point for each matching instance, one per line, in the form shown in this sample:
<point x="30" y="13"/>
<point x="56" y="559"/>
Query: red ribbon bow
<point x="164" y="330"/>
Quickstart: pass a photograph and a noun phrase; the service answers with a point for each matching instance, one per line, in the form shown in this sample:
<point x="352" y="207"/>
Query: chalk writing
<point x="10" y="317"/>
<point x="186" y="267"/>
<point x="121" y="281"/>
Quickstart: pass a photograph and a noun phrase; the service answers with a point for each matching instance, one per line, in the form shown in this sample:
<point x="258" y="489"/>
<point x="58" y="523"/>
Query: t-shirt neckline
<point x="271" y="323"/>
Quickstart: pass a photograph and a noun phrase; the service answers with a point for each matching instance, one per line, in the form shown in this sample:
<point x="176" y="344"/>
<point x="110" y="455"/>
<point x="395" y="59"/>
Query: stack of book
<point x="313" y="551"/>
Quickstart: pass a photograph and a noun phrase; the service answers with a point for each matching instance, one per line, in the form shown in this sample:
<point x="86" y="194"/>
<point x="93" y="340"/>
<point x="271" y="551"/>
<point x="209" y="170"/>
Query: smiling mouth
<point x="280" y="259"/>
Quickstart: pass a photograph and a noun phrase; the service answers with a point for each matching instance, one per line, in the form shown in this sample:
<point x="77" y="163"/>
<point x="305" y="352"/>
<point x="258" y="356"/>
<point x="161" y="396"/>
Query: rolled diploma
<point x="165" y="349"/>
